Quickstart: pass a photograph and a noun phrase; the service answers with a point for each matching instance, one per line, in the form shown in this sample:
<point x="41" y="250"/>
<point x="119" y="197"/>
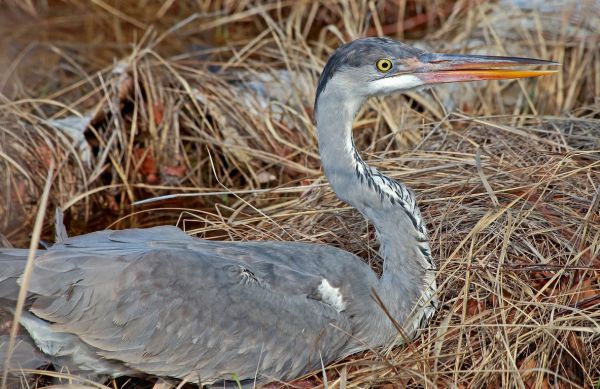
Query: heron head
<point x="379" y="66"/>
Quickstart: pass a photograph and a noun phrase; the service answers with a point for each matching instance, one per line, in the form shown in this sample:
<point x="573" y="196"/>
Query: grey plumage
<point x="158" y="302"/>
<point x="124" y="294"/>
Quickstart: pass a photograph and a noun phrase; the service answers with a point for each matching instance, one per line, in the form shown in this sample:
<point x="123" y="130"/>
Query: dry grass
<point x="507" y="174"/>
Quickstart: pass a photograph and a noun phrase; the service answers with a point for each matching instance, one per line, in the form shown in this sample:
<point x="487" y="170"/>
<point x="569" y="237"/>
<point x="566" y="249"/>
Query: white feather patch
<point x="389" y="85"/>
<point x="332" y="296"/>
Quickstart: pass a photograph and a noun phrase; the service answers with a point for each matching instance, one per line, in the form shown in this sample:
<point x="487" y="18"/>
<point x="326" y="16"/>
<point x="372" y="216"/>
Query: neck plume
<point x="407" y="285"/>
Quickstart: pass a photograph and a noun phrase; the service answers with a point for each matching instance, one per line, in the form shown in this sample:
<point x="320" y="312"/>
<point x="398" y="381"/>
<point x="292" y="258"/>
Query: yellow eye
<point x="384" y="65"/>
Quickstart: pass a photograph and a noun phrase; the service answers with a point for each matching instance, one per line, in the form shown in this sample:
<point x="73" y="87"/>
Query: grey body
<point x="160" y="302"/>
<point x="156" y="301"/>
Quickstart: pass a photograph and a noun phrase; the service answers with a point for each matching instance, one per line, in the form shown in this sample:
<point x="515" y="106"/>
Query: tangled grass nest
<point x="214" y="98"/>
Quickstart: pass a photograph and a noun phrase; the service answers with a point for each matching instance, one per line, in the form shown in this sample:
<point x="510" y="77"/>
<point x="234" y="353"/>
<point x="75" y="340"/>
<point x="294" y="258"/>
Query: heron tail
<point x="25" y="355"/>
<point x="12" y="261"/>
<point x="12" y="265"/>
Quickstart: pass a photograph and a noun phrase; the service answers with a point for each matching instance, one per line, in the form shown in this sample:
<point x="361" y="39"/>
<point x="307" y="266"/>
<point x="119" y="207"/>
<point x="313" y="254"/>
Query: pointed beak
<point x="441" y="68"/>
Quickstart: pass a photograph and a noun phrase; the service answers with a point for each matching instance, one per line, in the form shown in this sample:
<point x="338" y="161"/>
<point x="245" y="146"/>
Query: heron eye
<point x="384" y="65"/>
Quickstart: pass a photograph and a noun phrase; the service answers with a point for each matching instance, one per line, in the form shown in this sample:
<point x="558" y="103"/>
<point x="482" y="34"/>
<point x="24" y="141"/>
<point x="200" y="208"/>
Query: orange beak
<point x="442" y="68"/>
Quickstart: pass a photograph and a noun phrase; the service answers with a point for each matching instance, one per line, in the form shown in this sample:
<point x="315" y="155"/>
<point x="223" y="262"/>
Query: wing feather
<point x="163" y="303"/>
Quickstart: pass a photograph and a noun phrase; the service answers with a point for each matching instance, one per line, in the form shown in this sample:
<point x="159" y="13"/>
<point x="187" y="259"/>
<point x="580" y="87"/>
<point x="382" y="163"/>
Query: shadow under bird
<point x="158" y="302"/>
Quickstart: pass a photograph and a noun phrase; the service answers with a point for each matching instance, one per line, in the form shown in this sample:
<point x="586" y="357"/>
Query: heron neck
<point x="408" y="270"/>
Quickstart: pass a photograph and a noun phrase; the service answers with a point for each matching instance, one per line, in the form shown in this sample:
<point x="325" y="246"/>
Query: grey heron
<point x="158" y="302"/>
